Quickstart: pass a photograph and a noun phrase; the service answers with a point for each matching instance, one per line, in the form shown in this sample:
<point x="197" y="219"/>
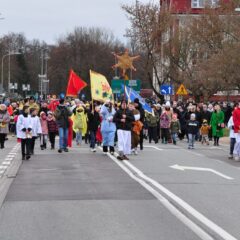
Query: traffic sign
<point x="182" y="90"/>
<point x="118" y="89"/>
<point x="166" y="89"/>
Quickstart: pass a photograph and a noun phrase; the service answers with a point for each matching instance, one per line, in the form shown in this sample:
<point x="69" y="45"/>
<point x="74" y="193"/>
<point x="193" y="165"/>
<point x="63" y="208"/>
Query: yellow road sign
<point x="182" y="90"/>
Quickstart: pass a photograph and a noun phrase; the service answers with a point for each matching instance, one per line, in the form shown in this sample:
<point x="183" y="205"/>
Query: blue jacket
<point x="107" y="124"/>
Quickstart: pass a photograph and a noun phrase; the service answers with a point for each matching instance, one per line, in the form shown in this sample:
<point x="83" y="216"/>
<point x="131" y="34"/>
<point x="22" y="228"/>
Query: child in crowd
<point x="165" y="122"/>
<point x="78" y="119"/>
<point x="192" y="130"/>
<point x="24" y="132"/>
<point x="52" y="129"/>
<point x="204" y="131"/>
<point x="36" y="128"/>
<point x="44" y="134"/>
<point x="175" y="128"/>
<point x="136" y="129"/>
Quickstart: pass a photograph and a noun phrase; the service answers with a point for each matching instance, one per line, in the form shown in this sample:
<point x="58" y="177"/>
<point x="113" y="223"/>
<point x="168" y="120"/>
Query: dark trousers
<point x="2" y="139"/>
<point x="92" y="139"/>
<point x="152" y="133"/>
<point x="32" y="144"/>
<point x="232" y="144"/>
<point x="26" y="146"/>
<point x="165" y="134"/>
<point x="141" y="140"/>
<point x="52" y="136"/>
<point x="87" y="137"/>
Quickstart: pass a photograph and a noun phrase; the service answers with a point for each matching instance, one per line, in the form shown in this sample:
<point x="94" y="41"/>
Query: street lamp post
<point x="10" y="53"/>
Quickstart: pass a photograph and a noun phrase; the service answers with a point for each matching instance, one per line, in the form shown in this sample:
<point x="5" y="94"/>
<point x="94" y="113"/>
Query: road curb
<point x="8" y="177"/>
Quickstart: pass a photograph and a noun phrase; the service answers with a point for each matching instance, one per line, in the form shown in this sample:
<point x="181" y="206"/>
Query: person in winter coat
<point x="152" y="122"/>
<point x="78" y="124"/>
<point x="24" y="132"/>
<point x="175" y="128"/>
<point x="236" y="121"/>
<point x="192" y="129"/>
<point x="36" y="128"/>
<point x="62" y="115"/>
<point x="52" y="129"/>
<point x="232" y="137"/>
<point x="217" y="124"/>
<point x="204" y="131"/>
<point x="4" y="121"/>
<point x="108" y="127"/>
<point x="165" y="122"/>
<point x="183" y="122"/>
<point x="44" y="134"/>
<point x="139" y="107"/>
<point x="93" y="124"/>
<point x="124" y="119"/>
<point x="136" y="128"/>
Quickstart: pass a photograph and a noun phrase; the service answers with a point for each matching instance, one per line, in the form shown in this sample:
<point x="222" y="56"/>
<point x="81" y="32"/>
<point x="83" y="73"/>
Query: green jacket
<point x="152" y="120"/>
<point x="216" y="120"/>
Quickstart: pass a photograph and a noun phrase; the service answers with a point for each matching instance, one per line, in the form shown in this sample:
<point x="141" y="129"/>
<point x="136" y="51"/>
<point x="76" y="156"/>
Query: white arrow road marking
<point x="159" y="149"/>
<point x="193" y="212"/>
<point x="182" y="168"/>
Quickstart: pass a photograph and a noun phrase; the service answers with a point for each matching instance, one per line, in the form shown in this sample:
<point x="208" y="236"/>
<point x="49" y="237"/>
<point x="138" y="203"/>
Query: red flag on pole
<point x="75" y="84"/>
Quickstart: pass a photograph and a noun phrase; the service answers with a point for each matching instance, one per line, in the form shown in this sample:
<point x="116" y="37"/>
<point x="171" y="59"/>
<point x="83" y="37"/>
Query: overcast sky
<point x="49" y="19"/>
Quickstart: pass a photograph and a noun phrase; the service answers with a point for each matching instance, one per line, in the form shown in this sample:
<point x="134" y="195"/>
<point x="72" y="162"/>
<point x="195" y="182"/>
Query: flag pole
<point x="91" y="89"/>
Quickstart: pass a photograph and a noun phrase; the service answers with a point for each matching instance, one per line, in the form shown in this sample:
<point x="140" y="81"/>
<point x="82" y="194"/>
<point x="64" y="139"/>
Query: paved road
<point x="82" y="195"/>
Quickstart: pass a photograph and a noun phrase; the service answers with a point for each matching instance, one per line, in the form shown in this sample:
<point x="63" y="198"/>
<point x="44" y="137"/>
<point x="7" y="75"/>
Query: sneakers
<point x="93" y="149"/>
<point x="125" y="157"/>
<point x="112" y="153"/>
<point x="230" y="156"/>
<point x="66" y="150"/>
<point x="60" y="150"/>
<point x="237" y="159"/>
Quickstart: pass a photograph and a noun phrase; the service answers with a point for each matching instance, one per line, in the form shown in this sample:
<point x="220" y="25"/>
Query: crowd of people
<point x="122" y="124"/>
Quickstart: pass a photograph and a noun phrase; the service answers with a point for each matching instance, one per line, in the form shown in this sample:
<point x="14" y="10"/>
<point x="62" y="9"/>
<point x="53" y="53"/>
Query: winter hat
<point x="167" y="104"/>
<point x="205" y="121"/>
<point x="193" y="116"/>
<point x="50" y="113"/>
<point x="42" y="113"/>
<point x="136" y="100"/>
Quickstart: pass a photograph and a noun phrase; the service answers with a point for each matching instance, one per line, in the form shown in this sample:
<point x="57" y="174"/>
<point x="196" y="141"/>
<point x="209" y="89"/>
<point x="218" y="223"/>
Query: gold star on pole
<point x="125" y="62"/>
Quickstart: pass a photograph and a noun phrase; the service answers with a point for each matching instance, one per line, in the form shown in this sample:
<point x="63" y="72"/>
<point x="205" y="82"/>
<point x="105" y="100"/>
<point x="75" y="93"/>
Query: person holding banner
<point x="124" y="119"/>
<point x="108" y="127"/>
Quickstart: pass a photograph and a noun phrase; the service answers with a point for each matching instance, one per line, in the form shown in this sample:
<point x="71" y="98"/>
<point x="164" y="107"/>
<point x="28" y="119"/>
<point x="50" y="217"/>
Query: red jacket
<point x="236" y="120"/>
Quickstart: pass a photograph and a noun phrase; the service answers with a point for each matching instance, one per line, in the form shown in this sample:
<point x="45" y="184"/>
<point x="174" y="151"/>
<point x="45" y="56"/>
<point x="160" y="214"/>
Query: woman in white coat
<point x="24" y="132"/>
<point x="36" y="128"/>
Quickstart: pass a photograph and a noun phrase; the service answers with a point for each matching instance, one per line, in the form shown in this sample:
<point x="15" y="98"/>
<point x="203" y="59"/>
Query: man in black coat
<point x="93" y="124"/>
<point x="124" y="119"/>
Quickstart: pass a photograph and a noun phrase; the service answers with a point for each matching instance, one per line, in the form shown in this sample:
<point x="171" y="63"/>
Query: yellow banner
<point x="100" y="88"/>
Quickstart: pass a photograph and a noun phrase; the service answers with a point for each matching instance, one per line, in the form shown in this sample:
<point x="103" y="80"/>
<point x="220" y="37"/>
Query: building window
<point x="203" y="3"/>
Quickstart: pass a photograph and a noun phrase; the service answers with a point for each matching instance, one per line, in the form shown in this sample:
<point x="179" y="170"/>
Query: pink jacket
<point x="44" y="126"/>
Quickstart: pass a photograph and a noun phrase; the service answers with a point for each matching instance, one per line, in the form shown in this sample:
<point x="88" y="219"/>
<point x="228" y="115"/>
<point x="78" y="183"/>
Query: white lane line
<point x="189" y="223"/>
<point x="6" y="163"/>
<point x="159" y="149"/>
<point x="200" y="217"/>
<point x="183" y="168"/>
<point x="3" y="167"/>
